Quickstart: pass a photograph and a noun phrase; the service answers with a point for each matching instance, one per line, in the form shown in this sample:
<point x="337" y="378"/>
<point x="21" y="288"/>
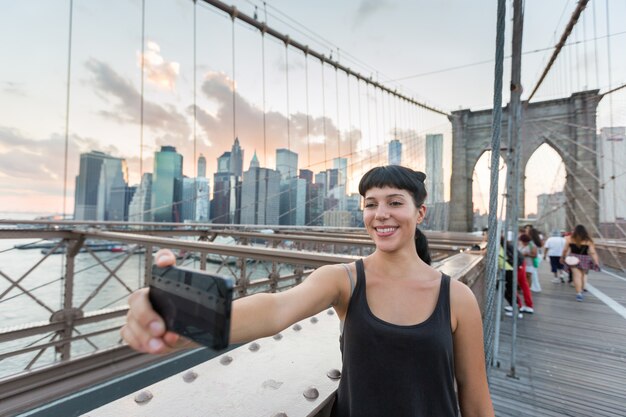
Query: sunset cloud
<point x="37" y="165"/>
<point x="126" y="100"/>
<point x="156" y="68"/>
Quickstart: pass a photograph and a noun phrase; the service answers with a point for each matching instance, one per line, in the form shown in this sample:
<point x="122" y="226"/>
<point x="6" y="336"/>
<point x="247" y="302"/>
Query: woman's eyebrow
<point x="387" y="196"/>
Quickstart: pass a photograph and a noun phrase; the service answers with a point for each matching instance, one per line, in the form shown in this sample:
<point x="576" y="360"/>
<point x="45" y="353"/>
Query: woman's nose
<point x="381" y="213"/>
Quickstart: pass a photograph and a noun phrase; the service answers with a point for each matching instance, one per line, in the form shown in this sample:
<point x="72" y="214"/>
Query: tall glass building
<point x="260" y="202"/>
<point x="100" y="187"/>
<point x="434" y="168"/>
<point x="167" y="185"/>
<point x="286" y="163"/>
<point x="395" y="152"/>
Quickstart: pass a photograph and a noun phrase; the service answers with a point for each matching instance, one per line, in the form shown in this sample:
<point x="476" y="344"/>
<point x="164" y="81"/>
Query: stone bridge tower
<point x="568" y="125"/>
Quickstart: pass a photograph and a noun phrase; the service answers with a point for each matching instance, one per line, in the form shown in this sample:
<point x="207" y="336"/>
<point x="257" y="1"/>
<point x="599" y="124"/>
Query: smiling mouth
<point x="385" y="230"/>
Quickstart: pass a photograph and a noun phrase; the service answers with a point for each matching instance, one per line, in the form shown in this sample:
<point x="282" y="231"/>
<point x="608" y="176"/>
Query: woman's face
<point x="390" y="217"/>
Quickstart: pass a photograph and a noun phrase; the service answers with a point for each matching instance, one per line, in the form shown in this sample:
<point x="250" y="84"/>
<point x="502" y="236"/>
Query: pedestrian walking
<point x="579" y="256"/>
<point x="553" y="248"/>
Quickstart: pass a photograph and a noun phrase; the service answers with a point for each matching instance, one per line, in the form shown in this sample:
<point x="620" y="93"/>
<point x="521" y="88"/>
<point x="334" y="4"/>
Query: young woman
<point x="409" y="331"/>
<point x="579" y="245"/>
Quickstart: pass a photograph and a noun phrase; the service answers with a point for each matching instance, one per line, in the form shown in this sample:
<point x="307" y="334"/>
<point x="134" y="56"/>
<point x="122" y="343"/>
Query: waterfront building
<point x="611" y="154"/>
<point x="223" y="162"/>
<point x="201" y="167"/>
<point x="394" y="152"/>
<point x="224" y="203"/>
<point x="188" y="203"/>
<point x="315" y="205"/>
<point x="260" y="202"/>
<point x="203" y="202"/>
<point x="551" y="212"/>
<point x="236" y="159"/>
<point x="293" y="201"/>
<point x="337" y="218"/>
<point x="286" y="163"/>
<point x="140" y="204"/>
<point x="167" y="185"/>
<point x="434" y="168"/>
<point x="101" y="184"/>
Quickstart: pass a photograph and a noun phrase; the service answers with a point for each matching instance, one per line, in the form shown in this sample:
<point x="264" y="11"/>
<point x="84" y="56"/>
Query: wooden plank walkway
<point x="571" y="356"/>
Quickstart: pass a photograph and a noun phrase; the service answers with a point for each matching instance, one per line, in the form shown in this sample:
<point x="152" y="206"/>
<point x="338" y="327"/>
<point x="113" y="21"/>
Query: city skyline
<point x="187" y="101"/>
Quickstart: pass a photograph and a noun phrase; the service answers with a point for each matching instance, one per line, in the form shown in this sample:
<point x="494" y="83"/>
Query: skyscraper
<point x="254" y="163"/>
<point x="260" y="203"/>
<point x="201" y="166"/>
<point x="224" y="203"/>
<point x="203" y="203"/>
<point x="188" y="203"/>
<point x="100" y="187"/>
<point x="395" y="152"/>
<point x="286" y="163"/>
<point x="167" y="185"/>
<point x="223" y="162"/>
<point x="434" y="168"/>
<point x="139" y="209"/>
<point x="236" y="159"/>
<point x="611" y="154"/>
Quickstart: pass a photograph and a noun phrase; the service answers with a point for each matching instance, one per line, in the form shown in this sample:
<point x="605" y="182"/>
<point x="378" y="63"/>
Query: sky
<point x="439" y="53"/>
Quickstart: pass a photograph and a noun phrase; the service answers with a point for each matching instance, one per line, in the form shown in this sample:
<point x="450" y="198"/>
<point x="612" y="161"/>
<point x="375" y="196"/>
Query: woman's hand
<point x="144" y="329"/>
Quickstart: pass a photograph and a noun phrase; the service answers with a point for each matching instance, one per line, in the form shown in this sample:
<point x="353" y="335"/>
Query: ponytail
<point x="421" y="245"/>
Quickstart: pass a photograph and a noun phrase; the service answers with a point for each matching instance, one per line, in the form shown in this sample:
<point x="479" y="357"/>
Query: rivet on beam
<point x="297" y="327"/>
<point x="311" y="393"/>
<point x="280" y="415"/>
<point x="277" y="336"/>
<point x="314" y="320"/>
<point x="226" y="360"/>
<point x="334" y="374"/>
<point x="143" y="397"/>
<point x="254" y="347"/>
<point x="190" y="376"/>
<point x="330" y="312"/>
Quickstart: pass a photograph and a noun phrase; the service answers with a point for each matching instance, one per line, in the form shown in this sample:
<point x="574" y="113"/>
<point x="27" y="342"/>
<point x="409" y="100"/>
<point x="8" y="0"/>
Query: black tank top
<point x="393" y="370"/>
<point x="579" y="250"/>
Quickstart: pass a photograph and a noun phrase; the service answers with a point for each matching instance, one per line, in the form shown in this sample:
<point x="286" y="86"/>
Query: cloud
<point x="127" y="103"/>
<point x="368" y="8"/>
<point x="307" y="141"/>
<point x="157" y="69"/>
<point x="9" y="87"/>
<point x="36" y="166"/>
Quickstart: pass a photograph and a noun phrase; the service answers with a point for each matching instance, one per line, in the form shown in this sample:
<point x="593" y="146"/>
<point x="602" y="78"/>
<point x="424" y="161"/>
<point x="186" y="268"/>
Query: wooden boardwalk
<point x="571" y="356"/>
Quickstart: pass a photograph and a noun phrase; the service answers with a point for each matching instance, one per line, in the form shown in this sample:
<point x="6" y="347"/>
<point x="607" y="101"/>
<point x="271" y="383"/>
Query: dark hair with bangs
<point x="402" y="178"/>
<point x="395" y="176"/>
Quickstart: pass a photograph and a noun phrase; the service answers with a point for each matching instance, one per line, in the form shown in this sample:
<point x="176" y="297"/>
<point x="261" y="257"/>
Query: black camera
<point x="193" y="303"/>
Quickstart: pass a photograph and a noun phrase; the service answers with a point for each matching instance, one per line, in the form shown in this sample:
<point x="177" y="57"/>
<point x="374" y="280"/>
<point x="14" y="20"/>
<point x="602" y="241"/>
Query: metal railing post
<point x="67" y="313"/>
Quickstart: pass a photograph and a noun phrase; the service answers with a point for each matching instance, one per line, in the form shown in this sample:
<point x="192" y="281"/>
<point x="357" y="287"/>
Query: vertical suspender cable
<point x="595" y="46"/>
<point x="288" y="115"/>
<point x="608" y="54"/>
<point x="350" y="126"/>
<point x="195" y="118"/>
<point x="338" y="119"/>
<point x="264" y="105"/>
<point x="287" y="95"/>
<point x="67" y="108"/>
<point x="515" y="117"/>
<point x="369" y="127"/>
<point x="376" y="138"/>
<point x="141" y="110"/>
<point x="384" y="150"/>
<point x="585" y="52"/>
<point x="232" y="16"/>
<point x="493" y="240"/>
<point x="324" y="117"/>
<point x="358" y="92"/>
<point x="308" y="114"/>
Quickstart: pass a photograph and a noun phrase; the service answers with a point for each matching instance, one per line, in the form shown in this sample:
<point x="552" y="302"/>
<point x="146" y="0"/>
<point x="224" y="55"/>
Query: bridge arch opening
<point x="481" y="183"/>
<point x="544" y="195"/>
